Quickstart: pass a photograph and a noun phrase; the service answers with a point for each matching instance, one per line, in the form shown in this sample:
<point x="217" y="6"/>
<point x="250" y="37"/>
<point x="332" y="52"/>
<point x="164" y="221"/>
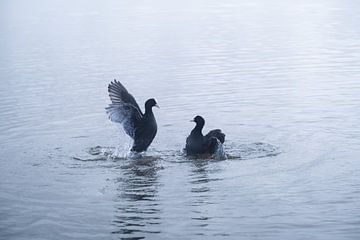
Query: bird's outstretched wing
<point x="217" y="134"/>
<point x="126" y="114"/>
<point x="119" y="95"/>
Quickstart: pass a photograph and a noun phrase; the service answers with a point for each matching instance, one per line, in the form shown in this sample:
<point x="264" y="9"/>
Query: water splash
<point x="220" y="153"/>
<point x="119" y="152"/>
<point x="230" y="151"/>
<point x="98" y="150"/>
<point x="100" y="153"/>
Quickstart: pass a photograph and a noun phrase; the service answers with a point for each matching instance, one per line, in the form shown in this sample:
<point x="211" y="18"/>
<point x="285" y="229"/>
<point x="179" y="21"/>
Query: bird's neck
<point x="198" y="129"/>
<point x="148" y="111"/>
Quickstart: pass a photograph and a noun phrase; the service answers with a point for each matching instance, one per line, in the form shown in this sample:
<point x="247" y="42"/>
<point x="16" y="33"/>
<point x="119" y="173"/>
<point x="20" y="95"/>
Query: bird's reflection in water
<point x="137" y="209"/>
<point x="201" y="181"/>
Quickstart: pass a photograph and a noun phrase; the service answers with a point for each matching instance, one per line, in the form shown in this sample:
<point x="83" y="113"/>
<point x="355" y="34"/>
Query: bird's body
<point x="197" y="143"/>
<point x="141" y="127"/>
<point x="145" y="132"/>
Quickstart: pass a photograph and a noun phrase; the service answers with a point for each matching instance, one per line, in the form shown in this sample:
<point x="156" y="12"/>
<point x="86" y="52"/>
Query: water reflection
<point x="137" y="209"/>
<point x="202" y="193"/>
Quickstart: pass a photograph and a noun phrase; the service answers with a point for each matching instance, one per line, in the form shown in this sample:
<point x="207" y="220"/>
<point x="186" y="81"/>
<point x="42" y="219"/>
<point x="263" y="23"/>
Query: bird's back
<point x="196" y="143"/>
<point x="216" y="133"/>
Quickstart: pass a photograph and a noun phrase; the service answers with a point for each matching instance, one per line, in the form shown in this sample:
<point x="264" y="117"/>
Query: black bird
<point x="197" y="143"/>
<point x="141" y="127"/>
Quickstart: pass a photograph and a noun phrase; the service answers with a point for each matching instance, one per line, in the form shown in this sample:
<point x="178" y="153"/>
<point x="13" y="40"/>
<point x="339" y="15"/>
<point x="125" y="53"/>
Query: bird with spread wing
<point x="123" y="109"/>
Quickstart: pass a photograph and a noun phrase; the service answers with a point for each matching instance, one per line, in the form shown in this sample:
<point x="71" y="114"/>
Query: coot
<point x="141" y="127"/>
<point x="197" y="143"/>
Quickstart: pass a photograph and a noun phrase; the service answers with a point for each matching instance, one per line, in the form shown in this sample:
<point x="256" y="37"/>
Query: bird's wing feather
<point x="217" y="134"/>
<point x="119" y="95"/>
<point x="125" y="114"/>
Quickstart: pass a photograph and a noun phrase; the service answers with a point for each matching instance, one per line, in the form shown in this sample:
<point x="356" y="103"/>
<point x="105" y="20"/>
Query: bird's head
<point x="151" y="103"/>
<point x="199" y="120"/>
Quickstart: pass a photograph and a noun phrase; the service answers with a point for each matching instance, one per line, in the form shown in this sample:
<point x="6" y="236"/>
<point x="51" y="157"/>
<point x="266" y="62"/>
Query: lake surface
<point x="280" y="78"/>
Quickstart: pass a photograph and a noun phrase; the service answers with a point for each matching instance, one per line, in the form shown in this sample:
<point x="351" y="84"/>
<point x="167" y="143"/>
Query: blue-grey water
<point x="280" y="78"/>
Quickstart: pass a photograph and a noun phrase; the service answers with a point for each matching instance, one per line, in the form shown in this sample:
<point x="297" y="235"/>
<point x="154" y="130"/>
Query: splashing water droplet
<point x="220" y="152"/>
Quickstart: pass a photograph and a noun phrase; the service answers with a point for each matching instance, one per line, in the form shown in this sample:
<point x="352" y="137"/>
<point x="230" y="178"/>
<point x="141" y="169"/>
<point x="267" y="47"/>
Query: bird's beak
<point x="156" y="105"/>
<point x="192" y="120"/>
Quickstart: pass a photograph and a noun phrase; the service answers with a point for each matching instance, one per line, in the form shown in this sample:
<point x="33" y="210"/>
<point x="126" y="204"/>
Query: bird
<point x="123" y="109"/>
<point x="197" y="143"/>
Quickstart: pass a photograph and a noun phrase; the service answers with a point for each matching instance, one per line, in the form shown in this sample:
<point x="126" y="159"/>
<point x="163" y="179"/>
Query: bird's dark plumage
<point x="141" y="127"/>
<point x="197" y="143"/>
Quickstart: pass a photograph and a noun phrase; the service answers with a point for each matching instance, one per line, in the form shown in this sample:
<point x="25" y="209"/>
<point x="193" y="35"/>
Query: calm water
<point x="281" y="79"/>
